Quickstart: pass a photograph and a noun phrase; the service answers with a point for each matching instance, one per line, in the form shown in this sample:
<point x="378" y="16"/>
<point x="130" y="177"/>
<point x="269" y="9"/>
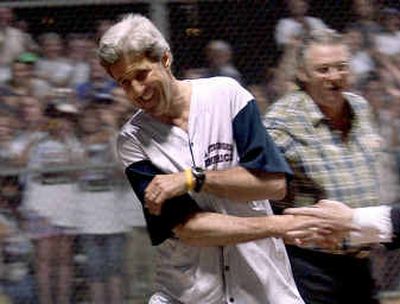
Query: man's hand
<point x="162" y="188"/>
<point x="337" y="214"/>
<point x="303" y="230"/>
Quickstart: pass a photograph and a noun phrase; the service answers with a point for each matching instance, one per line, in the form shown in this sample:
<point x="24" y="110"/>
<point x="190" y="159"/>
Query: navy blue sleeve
<point x="256" y="148"/>
<point x="395" y="218"/>
<point x="174" y="211"/>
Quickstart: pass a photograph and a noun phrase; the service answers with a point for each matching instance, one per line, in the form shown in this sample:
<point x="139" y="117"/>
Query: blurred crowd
<point x="61" y="184"/>
<point x="63" y="193"/>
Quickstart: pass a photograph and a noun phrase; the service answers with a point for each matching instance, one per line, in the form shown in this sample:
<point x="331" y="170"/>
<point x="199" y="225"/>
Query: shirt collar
<point x="315" y="114"/>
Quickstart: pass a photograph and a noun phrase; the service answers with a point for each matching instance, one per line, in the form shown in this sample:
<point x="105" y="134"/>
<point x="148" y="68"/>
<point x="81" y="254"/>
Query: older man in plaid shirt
<point x="328" y="138"/>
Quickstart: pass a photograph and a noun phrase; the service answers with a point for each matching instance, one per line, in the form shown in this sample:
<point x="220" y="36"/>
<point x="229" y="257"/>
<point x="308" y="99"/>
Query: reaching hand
<point x="336" y="218"/>
<point x="162" y="188"/>
<point x="337" y="214"/>
<point x="303" y="230"/>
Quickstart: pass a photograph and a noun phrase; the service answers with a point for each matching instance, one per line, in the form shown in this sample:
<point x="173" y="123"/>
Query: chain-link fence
<point x="55" y="99"/>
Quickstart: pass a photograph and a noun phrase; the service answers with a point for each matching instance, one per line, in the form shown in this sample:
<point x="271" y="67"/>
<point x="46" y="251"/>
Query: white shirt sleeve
<point x="374" y="223"/>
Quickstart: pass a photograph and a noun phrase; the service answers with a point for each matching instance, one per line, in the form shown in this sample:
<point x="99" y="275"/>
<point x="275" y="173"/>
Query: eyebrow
<point x="331" y="63"/>
<point x="124" y="76"/>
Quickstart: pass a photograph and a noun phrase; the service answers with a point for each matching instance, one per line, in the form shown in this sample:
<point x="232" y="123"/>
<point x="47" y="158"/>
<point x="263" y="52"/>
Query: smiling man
<point x="327" y="136"/>
<point x="200" y="161"/>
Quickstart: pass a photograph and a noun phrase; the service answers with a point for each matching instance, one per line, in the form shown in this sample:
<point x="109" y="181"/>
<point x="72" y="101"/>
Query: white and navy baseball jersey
<point x="224" y="131"/>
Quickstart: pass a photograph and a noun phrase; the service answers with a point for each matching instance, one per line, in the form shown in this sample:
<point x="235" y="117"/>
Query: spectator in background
<point x="50" y="204"/>
<point x="289" y="33"/>
<point x="22" y="134"/>
<point x="16" y="252"/>
<point x="79" y="50"/>
<point x="291" y="30"/>
<point x="361" y="63"/>
<point x="328" y="137"/>
<point x="385" y="108"/>
<point x="218" y="55"/>
<point x="53" y="67"/>
<point x="9" y="151"/>
<point x="103" y="221"/>
<point x="389" y="70"/>
<point x="23" y="80"/>
<point x="375" y="91"/>
<point x="387" y="41"/>
<point x="12" y="42"/>
<point x="23" y="26"/>
<point x="32" y="123"/>
<point x="365" y="23"/>
<point x="98" y="86"/>
<point x="17" y="255"/>
<point x="9" y="154"/>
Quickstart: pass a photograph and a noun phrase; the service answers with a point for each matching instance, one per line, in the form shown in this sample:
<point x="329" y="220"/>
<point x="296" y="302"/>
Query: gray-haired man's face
<point x="326" y="72"/>
<point x="145" y="82"/>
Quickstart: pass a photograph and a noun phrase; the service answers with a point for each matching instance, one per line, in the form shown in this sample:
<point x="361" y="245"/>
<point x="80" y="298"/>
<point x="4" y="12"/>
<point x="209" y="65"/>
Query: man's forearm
<point x="215" y="229"/>
<point x="239" y="184"/>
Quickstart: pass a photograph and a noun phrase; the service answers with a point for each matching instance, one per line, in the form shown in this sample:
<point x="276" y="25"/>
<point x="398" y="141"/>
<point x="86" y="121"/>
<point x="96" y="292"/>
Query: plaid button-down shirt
<point x="324" y="166"/>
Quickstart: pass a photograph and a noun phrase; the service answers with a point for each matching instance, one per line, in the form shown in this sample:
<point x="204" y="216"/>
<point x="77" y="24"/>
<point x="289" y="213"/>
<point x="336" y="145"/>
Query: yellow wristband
<point x="189" y="179"/>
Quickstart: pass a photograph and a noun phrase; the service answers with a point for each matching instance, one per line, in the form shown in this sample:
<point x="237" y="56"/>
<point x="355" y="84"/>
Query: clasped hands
<point x="324" y="224"/>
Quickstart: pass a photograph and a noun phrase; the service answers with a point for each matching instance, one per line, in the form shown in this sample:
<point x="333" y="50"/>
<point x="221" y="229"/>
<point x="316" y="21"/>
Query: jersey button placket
<point x="228" y="276"/>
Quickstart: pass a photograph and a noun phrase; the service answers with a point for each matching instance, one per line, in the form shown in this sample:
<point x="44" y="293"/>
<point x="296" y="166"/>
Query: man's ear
<point x="166" y="60"/>
<point x="302" y="74"/>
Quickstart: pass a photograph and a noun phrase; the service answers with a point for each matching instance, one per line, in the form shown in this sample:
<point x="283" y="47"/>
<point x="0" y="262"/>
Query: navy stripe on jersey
<point x="174" y="211"/>
<point x="395" y="218"/>
<point x="255" y="147"/>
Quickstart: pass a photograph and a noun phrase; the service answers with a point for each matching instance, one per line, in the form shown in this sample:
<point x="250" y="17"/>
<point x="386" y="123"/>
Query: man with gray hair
<point x="200" y="161"/>
<point x="219" y="57"/>
<point x="328" y="137"/>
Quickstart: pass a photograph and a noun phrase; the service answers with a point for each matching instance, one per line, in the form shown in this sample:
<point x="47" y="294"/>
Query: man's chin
<point x="156" y="112"/>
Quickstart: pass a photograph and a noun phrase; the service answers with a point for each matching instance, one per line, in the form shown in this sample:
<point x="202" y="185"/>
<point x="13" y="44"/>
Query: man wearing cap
<point x="23" y="80"/>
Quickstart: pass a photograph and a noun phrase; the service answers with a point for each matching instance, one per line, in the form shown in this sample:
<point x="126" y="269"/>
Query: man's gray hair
<point x="318" y="36"/>
<point x="133" y="35"/>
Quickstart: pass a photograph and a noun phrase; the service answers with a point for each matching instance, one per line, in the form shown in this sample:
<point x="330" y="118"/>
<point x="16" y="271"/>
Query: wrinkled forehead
<point x="326" y="53"/>
<point x="127" y="63"/>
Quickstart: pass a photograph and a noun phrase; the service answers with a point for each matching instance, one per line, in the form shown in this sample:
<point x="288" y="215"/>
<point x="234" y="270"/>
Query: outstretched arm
<point x="359" y="226"/>
<point x="214" y="229"/>
<point x="181" y="217"/>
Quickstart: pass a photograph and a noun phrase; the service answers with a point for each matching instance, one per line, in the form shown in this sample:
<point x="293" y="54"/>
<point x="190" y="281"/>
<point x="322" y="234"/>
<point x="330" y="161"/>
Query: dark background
<point x="247" y="25"/>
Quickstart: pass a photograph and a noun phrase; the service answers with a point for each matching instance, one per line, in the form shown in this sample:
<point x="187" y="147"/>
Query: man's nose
<point x="137" y="88"/>
<point x="334" y="73"/>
